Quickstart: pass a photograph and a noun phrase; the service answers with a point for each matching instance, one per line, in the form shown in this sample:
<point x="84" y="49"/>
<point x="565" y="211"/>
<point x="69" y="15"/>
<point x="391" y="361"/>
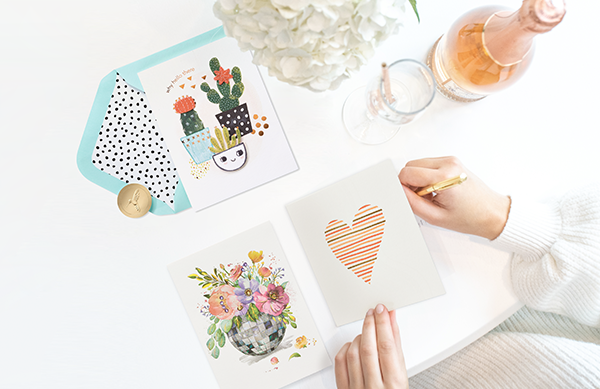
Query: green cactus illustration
<point x="229" y="97"/>
<point x="224" y="140"/>
<point x="190" y="120"/>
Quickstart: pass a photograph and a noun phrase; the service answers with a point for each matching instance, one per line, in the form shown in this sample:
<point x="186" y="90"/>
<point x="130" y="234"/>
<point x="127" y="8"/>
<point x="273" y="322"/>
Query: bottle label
<point x="456" y="92"/>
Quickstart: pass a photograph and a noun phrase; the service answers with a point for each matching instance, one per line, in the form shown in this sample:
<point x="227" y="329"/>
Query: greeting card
<point x="364" y="244"/>
<point x="217" y="119"/>
<point x="246" y="308"/>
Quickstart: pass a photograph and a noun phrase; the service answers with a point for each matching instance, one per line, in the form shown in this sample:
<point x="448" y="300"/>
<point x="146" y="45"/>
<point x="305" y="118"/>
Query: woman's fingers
<point x="423" y="207"/>
<point x="431" y="163"/>
<point x="386" y="347"/>
<point x="341" y="368"/>
<point x="369" y="357"/>
<point x="355" y="374"/>
<point x="402" y="364"/>
<point x="419" y="177"/>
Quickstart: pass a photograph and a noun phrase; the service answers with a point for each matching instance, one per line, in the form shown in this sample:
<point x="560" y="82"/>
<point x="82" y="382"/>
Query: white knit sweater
<point x="554" y="342"/>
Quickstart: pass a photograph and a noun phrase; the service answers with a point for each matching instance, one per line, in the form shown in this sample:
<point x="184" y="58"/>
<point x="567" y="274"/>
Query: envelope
<point x="120" y="144"/>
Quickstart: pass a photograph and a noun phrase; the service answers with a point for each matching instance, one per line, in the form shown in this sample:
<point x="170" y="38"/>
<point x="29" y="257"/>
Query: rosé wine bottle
<point x="489" y="48"/>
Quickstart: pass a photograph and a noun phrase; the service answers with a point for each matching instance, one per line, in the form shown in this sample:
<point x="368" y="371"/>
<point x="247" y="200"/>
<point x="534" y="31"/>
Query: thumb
<point x="422" y="207"/>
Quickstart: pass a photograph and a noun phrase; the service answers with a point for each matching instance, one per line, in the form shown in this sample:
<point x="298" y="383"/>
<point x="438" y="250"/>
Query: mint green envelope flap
<point x="99" y="114"/>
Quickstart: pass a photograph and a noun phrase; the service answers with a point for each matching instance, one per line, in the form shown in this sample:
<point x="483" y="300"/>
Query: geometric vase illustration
<point x="258" y="337"/>
<point x="234" y="116"/>
<point x="248" y="303"/>
<point x="197" y="139"/>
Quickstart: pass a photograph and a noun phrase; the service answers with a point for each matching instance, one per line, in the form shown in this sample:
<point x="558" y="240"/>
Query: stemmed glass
<point x="373" y="114"/>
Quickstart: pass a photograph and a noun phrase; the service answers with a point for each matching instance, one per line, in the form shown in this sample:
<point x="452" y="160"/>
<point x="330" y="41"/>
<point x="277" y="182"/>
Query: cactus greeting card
<point x="364" y="245"/>
<point x="248" y="313"/>
<point x="216" y="117"/>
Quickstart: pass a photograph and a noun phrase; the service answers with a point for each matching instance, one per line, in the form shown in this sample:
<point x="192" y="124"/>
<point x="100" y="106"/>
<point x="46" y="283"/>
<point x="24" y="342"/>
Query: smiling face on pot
<point x="231" y="159"/>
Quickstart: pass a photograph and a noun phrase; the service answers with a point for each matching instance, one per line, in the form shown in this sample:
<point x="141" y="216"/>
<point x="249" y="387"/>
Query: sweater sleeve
<point x="555" y="265"/>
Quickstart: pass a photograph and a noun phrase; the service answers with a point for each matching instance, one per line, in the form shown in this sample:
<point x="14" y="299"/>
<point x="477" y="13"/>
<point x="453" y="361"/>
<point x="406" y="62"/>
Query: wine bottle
<point x="489" y="48"/>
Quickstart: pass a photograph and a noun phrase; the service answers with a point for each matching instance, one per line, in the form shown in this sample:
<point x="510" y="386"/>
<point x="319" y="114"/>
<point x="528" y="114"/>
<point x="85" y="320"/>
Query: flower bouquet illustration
<point x="229" y="151"/>
<point x="197" y="137"/>
<point x="247" y="304"/>
<point x="233" y="114"/>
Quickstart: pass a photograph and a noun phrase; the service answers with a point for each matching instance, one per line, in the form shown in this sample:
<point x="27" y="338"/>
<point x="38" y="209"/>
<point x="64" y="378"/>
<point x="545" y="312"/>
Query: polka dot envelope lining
<point x="130" y="147"/>
<point x="120" y="144"/>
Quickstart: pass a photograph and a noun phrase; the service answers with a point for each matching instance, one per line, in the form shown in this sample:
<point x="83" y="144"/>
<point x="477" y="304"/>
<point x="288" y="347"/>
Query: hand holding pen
<point x="471" y="207"/>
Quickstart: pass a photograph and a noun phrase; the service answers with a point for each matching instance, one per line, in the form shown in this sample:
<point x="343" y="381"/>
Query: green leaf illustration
<point x="207" y="296"/>
<point x="210" y="344"/>
<point x="253" y="312"/>
<point x="294" y="355"/>
<point x="211" y="329"/>
<point x="293" y="324"/>
<point x="284" y="284"/>
<point x="221" y="340"/>
<point x="215" y="353"/>
<point x="226" y="325"/>
<point x="237" y="321"/>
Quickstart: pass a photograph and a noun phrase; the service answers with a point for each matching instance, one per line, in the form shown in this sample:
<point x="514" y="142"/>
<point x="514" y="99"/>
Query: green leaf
<point x="237" y="321"/>
<point x="211" y="329"/>
<point x="226" y="325"/>
<point x="293" y="324"/>
<point x="216" y="320"/>
<point x="215" y="353"/>
<point x="414" y="7"/>
<point x="218" y="334"/>
<point x="193" y="277"/>
<point x="253" y="312"/>
<point x="210" y="344"/>
<point x="221" y="340"/>
<point x="294" y="355"/>
<point x="284" y="284"/>
<point x="207" y="296"/>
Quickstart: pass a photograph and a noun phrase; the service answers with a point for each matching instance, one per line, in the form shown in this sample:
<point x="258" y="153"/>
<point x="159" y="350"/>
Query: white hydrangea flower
<point x="311" y="43"/>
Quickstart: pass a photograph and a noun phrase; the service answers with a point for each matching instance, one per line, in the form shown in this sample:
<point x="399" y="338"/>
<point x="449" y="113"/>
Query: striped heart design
<point x="357" y="247"/>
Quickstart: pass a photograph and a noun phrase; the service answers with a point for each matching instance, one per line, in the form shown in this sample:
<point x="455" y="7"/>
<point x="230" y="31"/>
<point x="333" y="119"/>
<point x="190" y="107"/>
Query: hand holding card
<point x="380" y="257"/>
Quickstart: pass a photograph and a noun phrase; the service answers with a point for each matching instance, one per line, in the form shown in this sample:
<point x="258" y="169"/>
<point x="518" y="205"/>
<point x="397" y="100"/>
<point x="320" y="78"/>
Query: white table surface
<point x="85" y="297"/>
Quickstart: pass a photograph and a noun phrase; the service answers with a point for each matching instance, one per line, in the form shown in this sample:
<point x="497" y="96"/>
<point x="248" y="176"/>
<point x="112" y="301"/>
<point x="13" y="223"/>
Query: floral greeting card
<point x="248" y="313"/>
<point x="217" y="119"/>
<point x="364" y="244"/>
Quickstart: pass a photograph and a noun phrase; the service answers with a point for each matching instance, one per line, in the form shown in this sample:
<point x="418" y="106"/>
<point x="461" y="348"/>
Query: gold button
<point x="134" y="200"/>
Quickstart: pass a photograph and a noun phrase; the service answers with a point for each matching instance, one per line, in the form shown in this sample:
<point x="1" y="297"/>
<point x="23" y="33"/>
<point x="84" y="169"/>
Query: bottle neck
<point x="508" y="37"/>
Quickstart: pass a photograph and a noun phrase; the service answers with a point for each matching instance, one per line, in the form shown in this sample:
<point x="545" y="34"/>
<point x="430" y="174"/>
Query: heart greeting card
<point x="364" y="244"/>
<point x="246" y="308"/>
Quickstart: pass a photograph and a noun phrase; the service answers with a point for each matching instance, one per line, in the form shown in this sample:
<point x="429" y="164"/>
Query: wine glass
<point x="374" y="113"/>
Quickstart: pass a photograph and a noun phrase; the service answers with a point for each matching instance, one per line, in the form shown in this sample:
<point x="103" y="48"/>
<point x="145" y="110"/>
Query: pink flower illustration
<point x="223" y="303"/>
<point x="235" y="273"/>
<point x="264" y="272"/>
<point x="271" y="300"/>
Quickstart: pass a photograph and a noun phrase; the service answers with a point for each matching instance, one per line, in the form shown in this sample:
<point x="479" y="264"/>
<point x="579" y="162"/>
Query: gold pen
<point x="447" y="184"/>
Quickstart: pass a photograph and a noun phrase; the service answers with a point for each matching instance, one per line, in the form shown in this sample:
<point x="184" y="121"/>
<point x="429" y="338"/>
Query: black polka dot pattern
<point x="237" y="117"/>
<point x="131" y="148"/>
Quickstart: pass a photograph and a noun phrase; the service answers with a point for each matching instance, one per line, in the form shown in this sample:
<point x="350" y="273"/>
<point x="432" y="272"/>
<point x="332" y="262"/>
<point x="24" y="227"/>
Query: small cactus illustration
<point x="230" y="95"/>
<point x="190" y="120"/>
<point x="224" y="141"/>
